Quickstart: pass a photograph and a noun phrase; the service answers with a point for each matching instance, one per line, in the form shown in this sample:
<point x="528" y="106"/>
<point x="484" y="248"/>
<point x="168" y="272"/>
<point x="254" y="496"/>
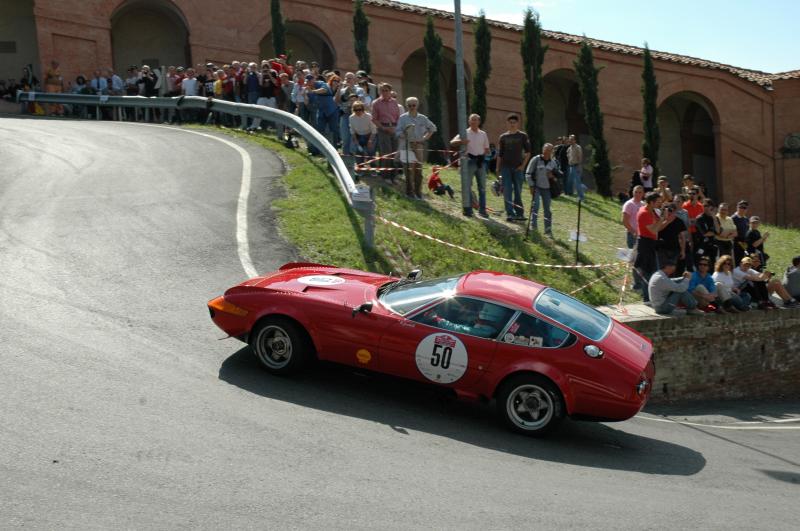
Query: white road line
<point x="718" y="427"/>
<point x="242" y="243"/>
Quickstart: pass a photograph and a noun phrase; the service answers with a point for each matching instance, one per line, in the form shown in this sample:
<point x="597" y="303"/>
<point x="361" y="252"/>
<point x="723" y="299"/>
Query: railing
<point x="359" y="197"/>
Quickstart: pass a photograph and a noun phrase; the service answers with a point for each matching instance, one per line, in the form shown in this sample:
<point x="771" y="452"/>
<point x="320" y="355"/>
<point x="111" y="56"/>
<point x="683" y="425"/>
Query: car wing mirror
<point x="364" y="308"/>
<point x="415" y="274"/>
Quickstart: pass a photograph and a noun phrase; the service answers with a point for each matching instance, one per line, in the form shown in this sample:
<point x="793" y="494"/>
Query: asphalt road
<point x="121" y="409"/>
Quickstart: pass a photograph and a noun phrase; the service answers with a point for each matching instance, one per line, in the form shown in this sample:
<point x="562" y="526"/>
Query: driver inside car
<point x="467" y="317"/>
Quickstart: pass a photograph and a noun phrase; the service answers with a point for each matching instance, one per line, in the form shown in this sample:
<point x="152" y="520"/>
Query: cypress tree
<point x="652" y="135"/>
<point x="533" y="85"/>
<point x="433" y="55"/>
<point x="278" y="29"/>
<point x="483" y="65"/>
<point x="587" y="83"/>
<point x="361" y="37"/>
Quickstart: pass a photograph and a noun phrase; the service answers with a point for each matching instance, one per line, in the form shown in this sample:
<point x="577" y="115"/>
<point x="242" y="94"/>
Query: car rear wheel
<point x="530" y="404"/>
<point x="281" y="346"/>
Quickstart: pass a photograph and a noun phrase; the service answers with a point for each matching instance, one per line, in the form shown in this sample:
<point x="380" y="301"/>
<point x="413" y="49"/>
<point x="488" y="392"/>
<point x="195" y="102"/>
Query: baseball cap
<point x="742" y="203"/>
<point x="755" y="219"/>
<point x="361" y="73"/>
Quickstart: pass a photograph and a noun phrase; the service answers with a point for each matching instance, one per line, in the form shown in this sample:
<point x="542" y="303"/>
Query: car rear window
<point x="406" y="298"/>
<point x="573" y="314"/>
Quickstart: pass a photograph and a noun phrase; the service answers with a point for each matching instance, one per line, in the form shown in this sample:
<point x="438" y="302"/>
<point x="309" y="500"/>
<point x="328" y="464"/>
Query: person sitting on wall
<point x="733" y="299"/>
<point x="667" y="293"/>
<point x="774" y="286"/>
<point x="791" y="278"/>
<point x="702" y="287"/>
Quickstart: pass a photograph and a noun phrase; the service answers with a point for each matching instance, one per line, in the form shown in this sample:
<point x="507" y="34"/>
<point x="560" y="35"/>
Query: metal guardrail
<point x="359" y="197"/>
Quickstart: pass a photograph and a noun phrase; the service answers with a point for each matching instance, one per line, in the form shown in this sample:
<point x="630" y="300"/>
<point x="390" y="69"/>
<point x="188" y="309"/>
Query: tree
<point x="483" y="65"/>
<point x="361" y="36"/>
<point x="533" y="85"/>
<point x="587" y="83"/>
<point x="652" y="135"/>
<point x="433" y="55"/>
<point x="278" y="29"/>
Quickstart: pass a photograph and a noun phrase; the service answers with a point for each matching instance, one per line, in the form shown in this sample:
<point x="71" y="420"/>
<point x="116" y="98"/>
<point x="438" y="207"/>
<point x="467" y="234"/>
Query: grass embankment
<point x="315" y="218"/>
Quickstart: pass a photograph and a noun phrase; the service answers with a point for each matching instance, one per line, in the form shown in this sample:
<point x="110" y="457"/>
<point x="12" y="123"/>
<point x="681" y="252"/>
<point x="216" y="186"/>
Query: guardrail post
<point x="364" y="204"/>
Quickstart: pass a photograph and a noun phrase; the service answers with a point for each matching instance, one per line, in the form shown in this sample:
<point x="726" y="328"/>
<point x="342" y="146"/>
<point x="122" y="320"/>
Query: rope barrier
<point x="486" y="255"/>
<point x="595" y="281"/>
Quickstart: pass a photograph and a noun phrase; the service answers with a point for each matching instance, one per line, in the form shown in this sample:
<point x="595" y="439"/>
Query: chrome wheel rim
<point x="273" y="347"/>
<point x="530" y="407"/>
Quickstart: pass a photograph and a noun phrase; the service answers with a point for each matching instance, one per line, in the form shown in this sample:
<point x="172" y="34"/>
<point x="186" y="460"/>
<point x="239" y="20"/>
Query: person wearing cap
<point x="371" y="88"/>
<point x="755" y="240"/>
<point x="704" y="238"/>
<point x="769" y="285"/>
<point x="666" y="293"/>
<point x="662" y="187"/>
<point x="742" y="223"/>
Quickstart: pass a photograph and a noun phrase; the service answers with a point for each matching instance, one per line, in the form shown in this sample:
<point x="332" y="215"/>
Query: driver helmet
<point x="491" y="313"/>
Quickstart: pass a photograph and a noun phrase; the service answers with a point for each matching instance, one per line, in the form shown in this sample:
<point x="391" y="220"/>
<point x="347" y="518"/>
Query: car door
<point x="447" y="343"/>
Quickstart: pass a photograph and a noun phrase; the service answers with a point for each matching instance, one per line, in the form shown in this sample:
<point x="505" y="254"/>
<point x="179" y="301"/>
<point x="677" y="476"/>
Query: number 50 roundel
<point x="442" y="358"/>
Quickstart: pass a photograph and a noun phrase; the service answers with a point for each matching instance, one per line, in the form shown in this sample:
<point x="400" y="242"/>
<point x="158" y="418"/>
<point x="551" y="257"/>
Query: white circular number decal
<point x="442" y="358"/>
<point x="320" y="280"/>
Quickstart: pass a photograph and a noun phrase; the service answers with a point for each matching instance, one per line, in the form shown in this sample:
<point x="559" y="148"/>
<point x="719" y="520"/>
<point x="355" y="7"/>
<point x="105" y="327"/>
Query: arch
<point x="304" y="42"/>
<point x="564" y="112"/>
<point x="689" y="140"/>
<point x="21" y="48"/>
<point x="153" y="32"/>
<point x="414" y="75"/>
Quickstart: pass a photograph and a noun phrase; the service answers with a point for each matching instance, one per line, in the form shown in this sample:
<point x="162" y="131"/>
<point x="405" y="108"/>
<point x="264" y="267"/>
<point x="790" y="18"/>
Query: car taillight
<point x="221" y="305"/>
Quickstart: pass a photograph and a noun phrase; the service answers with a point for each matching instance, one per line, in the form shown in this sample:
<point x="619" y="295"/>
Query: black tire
<point x="281" y="345"/>
<point x="530" y="404"/>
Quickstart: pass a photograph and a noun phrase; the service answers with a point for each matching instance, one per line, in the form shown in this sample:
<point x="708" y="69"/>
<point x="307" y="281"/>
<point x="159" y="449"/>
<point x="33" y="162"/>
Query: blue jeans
<point x="574" y="181"/>
<point x="672" y="301"/>
<point x="543" y="195"/>
<point x="475" y="169"/>
<point x="512" y="191"/>
<point x="331" y="123"/>
<point x="630" y="239"/>
<point x="344" y="134"/>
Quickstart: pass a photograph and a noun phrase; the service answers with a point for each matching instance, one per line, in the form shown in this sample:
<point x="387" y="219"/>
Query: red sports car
<point x="486" y="335"/>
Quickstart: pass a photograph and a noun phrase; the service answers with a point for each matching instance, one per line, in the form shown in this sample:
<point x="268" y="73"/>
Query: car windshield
<point x="573" y="314"/>
<point x="405" y="298"/>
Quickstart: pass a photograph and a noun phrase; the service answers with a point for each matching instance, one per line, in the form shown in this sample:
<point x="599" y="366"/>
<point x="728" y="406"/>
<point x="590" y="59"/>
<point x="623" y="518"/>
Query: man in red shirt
<point x="385" y="113"/>
<point x="650" y="224"/>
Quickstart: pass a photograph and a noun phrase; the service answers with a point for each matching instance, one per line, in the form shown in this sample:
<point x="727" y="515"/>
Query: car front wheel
<point x="281" y="346"/>
<point x="530" y="404"/>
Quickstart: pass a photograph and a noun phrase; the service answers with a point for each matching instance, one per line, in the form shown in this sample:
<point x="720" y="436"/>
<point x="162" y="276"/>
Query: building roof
<point x="763" y="79"/>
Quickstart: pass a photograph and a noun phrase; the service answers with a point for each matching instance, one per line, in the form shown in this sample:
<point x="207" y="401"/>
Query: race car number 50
<point x="442" y="358"/>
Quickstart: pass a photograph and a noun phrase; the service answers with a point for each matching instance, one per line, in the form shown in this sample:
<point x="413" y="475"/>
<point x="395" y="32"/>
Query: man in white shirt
<point x="575" y="158"/>
<point x="477" y="143"/>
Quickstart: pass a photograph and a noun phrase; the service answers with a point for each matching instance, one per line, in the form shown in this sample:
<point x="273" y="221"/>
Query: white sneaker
<point x="695" y="311"/>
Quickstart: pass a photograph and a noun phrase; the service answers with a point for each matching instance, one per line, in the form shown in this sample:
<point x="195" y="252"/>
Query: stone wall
<point x="752" y="355"/>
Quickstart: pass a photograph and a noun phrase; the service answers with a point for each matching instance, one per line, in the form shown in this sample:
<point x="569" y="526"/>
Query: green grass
<point x="315" y="218"/>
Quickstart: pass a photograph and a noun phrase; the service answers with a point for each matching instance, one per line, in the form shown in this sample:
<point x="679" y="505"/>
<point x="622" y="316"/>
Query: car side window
<point x="531" y="331"/>
<point x="467" y="316"/>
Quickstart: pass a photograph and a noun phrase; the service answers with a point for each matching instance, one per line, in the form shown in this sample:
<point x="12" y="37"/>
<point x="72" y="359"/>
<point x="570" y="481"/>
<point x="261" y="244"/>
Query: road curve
<point x="121" y="409"/>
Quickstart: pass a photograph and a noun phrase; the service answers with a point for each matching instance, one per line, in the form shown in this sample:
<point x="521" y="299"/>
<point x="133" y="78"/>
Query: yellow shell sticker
<point x="364" y="356"/>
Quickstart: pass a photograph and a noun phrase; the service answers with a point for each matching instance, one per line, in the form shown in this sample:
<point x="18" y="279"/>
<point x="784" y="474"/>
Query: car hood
<point x="334" y="284"/>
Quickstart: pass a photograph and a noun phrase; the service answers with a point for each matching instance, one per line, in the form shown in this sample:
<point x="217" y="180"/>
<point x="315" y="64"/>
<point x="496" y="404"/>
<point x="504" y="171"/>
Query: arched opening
<point x="564" y="113"/>
<point x="304" y="42"/>
<point x="414" y="76"/>
<point x="18" y="44"/>
<point x="151" y="32"/>
<point x="687" y="140"/>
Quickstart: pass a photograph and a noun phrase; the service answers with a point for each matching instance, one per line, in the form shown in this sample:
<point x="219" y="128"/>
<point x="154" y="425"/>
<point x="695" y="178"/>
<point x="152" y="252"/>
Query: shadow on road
<point x="405" y="406"/>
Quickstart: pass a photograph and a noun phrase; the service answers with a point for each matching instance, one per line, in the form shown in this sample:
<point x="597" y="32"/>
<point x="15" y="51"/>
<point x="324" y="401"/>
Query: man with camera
<point x="542" y="175"/>
<point x="649" y="223"/>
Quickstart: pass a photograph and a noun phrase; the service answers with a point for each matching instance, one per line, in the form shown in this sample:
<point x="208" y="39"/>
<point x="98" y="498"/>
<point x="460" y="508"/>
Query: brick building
<point x="736" y="130"/>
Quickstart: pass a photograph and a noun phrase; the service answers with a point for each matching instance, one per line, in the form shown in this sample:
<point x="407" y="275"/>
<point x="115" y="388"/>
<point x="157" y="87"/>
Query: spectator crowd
<point x="692" y="253"/>
<point x="689" y="251"/>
